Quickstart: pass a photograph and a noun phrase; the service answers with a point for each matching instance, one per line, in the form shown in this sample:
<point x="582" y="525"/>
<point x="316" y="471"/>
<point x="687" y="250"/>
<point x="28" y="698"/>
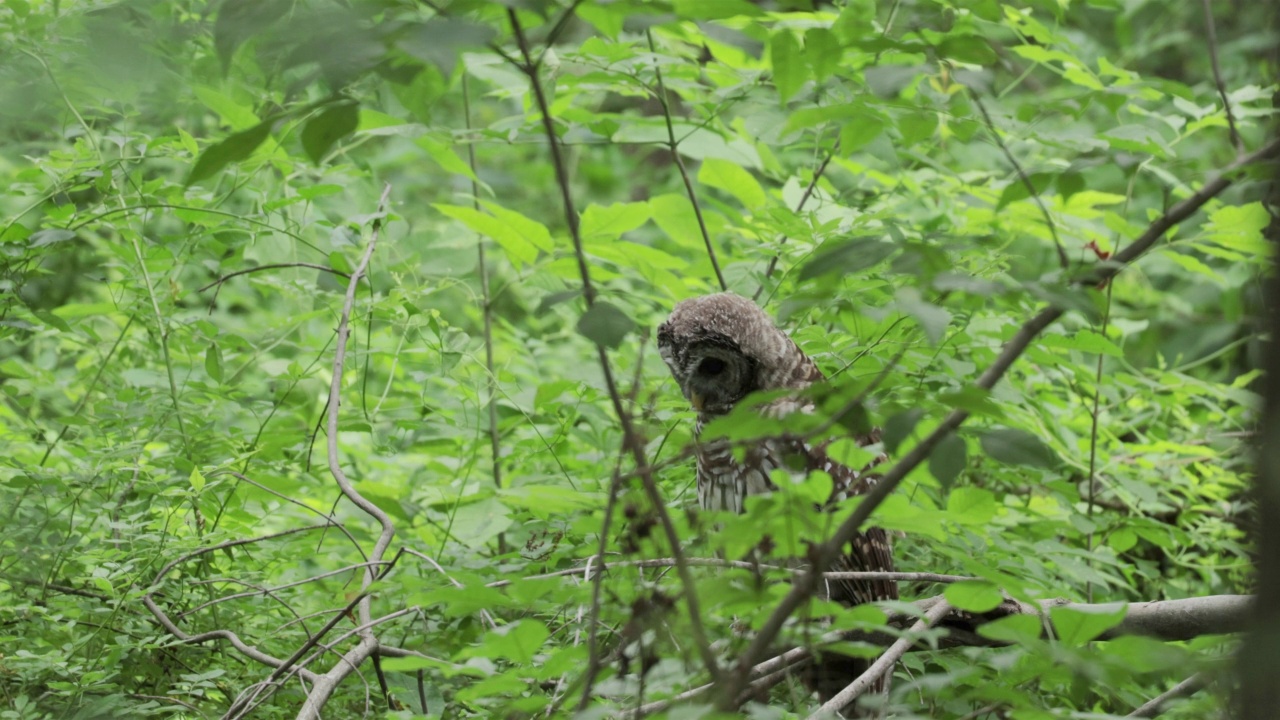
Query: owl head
<point x="722" y="347"/>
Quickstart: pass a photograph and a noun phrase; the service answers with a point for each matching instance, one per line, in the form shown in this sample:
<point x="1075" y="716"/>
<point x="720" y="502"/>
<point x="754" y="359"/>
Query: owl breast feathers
<point x="720" y="348"/>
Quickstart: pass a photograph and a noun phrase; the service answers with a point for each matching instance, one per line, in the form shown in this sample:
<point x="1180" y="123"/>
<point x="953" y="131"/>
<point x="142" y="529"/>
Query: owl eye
<point x="711" y="367"/>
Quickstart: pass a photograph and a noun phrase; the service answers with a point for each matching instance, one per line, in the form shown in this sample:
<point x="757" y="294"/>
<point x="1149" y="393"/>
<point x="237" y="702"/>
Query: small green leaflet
<point x="850" y="256"/>
<point x="947" y="460"/>
<point x="1076" y="626"/>
<point x="974" y="595"/>
<point x="234" y="148"/>
<point x="733" y="179"/>
<point x="327" y="128"/>
<point x="1018" y="447"/>
<point x="604" y="324"/>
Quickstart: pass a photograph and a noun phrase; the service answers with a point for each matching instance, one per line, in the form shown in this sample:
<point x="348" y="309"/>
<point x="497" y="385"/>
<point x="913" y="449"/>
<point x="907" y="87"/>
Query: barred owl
<point x="722" y="347"/>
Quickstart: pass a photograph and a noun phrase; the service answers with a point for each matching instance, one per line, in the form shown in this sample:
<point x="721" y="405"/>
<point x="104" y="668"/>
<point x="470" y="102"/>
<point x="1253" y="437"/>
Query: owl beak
<point x="696" y="400"/>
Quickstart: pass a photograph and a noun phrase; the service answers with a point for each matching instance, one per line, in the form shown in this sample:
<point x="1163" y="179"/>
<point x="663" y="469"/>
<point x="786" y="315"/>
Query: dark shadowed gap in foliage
<point x="1259" y="660"/>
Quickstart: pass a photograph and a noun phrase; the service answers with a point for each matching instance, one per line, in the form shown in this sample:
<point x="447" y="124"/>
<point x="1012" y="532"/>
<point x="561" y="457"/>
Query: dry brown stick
<point x="804" y="587"/>
<point x="1212" y="32"/>
<point x="1155" y="705"/>
<point x="883" y="664"/>
<point x="673" y="145"/>
<point x="631" y="441"/>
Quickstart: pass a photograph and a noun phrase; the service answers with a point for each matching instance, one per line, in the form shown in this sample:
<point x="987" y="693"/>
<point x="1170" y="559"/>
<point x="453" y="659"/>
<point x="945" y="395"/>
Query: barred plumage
<point x="722" y="347"/>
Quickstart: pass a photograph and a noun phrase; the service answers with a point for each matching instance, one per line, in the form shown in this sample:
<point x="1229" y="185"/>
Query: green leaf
<point x="715" y="9"/>
<point x="822" y="50"/>
<point x="518" y="248"/>
<point x="947" y="460"/>
<point x="733" y="179"/>
<point x="1018" y="447"/>
<point x="517" y="642"/>
<point x="49" y="236"/>
<point x="196" y="480"/>
<point x="933" y="319"/>
<point x="977" y="596"/>
<point x="604" y="324"/>
<point x="445" y="157"/>
<point x="860" y="131"/>
<point x="789" y="71"/>
<point x="971" y="505"/>
<point x="1079" y="625"/>
<point x="327" y="128"/>
<point x="213" y="362"/>
<point x="850" y="256"/>
<point x="611" y="221"/>
<point x="675" y="216"/>
<point x="968" y="49"/>
<point x="1012" y="629"/>
<point x="1085" y="341"/>
<point x="234" y="148"/>
<point x="899" y="427"/>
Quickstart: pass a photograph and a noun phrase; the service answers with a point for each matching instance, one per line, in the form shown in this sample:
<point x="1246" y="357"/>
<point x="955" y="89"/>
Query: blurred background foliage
<point x="153" y="405"/>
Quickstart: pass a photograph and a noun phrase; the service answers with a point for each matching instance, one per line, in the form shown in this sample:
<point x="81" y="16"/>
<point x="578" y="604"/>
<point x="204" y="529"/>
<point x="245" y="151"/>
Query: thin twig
<point x="484" y="614"/>
<point x="684" y="173"/>
<point x="883" y="664"/>
<point x="1022" y="176"/>
<point x="631" y="440"/>
<point x="1217" y="76"/>
<point x="274" y="266"/>
<point x="325" y="684"/>
<point x="824" y="553"/>
<point x="597" y="588"/>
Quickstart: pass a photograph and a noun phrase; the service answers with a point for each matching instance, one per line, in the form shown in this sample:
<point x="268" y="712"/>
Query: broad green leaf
<point x="531" y="230"/>
<point x="675" y="216"/>
<point x="1240" y="228"/>
<point x="234" y="148"/>
<point x="327" y="128"/>
<point x="604" y="324"/>
<point x="733" y="179"/>
<point x="977" y="596"/>
<point x="933" y="319"/>
<point x="1079" y="625"/>
<point x="1085" y="341"/>
<point x="947" y="460"/>
<point x="236" y="115"/>
<point x="1012" y="629"/>
<point x="971" y="505"/>
<point x="196" y="480"/>
<point x="445" y="157"/>
<point x="715" y="9"/>
<point x="1018" y="447"/>
<point x="517" y="642"/>
<point x="899" y="427"/>
<point x="968" y="49"/>
<point x="611" y="221"/>
<point x="822" y="50"/>
<point x="213" y="362"/>
<point x="848" y="256"/>
<point x="49" y="236"/>
<point x="789" y="71"/>
<point x="518" y="248"/>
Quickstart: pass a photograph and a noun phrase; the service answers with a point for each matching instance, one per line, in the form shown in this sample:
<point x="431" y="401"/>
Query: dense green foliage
<point x="149" y="149"/>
